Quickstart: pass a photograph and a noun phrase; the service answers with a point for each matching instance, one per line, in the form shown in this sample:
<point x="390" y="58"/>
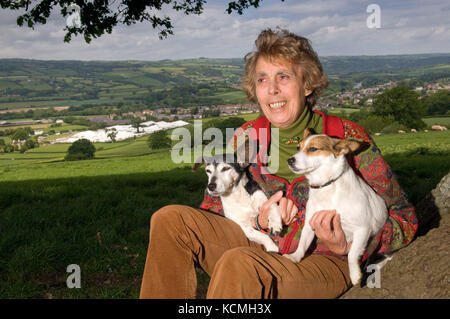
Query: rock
<point x="436" y="204"/>
<point x="441" y="195"/>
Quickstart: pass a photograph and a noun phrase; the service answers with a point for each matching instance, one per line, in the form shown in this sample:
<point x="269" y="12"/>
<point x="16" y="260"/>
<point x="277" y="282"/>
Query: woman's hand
<point x="327" y="227"/>
<point x="288" y="210"/>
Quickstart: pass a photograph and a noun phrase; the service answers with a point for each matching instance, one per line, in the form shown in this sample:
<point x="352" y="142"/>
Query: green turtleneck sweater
<point x="307" y="119"/>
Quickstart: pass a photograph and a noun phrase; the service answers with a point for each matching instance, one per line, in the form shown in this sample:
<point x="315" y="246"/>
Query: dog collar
<point x="326" y="184"/>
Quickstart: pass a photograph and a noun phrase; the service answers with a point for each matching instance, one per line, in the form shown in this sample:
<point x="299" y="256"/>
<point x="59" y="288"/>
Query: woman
<point x="285" y="77"/>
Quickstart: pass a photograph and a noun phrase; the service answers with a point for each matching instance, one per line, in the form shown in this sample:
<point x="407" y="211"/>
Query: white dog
<point x="335" y="186"/>
<point x="241" y="197"/>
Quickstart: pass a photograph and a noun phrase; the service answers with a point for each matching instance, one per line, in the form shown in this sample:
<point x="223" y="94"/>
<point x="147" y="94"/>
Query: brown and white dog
<point x="335" y="186"/>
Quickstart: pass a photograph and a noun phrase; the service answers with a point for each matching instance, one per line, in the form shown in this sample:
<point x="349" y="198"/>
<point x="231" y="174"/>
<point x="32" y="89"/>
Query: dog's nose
<point x="291" y="161"/>
<point x="212" y="186"/>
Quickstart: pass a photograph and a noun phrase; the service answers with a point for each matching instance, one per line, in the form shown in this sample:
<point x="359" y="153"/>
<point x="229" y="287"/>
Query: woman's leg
<point x="246" y="272"/>
<point x="182" y="237"/>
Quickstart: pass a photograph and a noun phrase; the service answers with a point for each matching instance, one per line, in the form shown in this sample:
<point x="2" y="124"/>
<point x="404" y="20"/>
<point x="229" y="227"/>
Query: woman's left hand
<point x="327" y="227"/>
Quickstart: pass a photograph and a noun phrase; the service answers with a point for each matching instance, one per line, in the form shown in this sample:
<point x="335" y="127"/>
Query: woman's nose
<point x="273" y="88"/>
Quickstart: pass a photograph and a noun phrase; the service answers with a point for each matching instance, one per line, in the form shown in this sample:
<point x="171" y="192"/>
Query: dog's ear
<point x="198" y="163"/>
<point x="307" y="133"/>
<point x="343" y="147"/>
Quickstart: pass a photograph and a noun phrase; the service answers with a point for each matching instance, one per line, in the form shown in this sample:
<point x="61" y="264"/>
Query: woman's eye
<point x="312" y="149"/>
<point x="225" y="169"/>
<point x="284" y="77"/>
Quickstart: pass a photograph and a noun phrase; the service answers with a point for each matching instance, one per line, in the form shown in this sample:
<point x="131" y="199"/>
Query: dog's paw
<point x="271" y="247"/>
<point x="275" y="222"/>
<point x="355" y="276"/>
<point x="293" y="257"/>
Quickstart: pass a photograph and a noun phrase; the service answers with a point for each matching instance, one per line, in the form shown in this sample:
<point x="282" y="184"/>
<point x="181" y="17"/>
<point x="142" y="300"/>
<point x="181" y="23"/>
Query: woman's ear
<point x="307" y="92"/>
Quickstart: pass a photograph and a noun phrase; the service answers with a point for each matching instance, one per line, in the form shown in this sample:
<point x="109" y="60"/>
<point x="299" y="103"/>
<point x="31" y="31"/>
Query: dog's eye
<point x="208" y="171"/>
<point x="312" y="149"/>
<point x="225" y="169"/>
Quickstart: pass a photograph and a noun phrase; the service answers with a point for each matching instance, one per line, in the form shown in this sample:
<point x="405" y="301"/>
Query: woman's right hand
<point x="288" y="210"/>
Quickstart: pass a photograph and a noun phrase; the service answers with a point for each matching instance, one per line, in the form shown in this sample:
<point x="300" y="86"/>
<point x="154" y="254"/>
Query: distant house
<point x="108" y="121"/>
<point x="357" y="85"/>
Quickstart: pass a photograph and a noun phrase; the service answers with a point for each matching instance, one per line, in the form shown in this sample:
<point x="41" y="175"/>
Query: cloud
<point x="334" y="27"/>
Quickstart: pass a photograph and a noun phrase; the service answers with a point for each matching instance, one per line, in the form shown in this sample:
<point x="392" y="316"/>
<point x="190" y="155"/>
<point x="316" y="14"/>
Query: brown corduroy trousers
<point x="182" y="237"/>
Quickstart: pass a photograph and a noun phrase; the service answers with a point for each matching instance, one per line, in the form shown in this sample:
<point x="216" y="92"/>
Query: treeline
<point x="400" y="108"/>
<point x="22" y="140"/>
<point x="188" y="95"/>
<point x="380" y="64"/>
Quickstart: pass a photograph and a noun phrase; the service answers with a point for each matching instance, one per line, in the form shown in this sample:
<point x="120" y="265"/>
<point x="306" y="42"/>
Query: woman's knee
<point x="236" y="261"/>
<point x="167" y="215"/>
<point x="235" y="275"/>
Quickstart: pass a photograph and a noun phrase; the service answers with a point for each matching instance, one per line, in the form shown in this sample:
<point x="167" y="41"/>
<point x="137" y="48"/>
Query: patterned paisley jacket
<point x="399" y="229"/>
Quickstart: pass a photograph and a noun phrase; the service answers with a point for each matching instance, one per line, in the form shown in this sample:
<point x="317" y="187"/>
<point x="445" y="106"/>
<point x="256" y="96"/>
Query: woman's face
<point x="280" y="91"/>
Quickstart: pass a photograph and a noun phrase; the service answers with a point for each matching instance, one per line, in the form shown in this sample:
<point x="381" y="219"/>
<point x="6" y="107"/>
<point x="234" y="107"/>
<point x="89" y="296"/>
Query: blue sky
<point x="335" y="27"/>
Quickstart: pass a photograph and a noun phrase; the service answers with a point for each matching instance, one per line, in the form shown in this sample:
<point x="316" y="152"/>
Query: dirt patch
<point x="25" y="109"/>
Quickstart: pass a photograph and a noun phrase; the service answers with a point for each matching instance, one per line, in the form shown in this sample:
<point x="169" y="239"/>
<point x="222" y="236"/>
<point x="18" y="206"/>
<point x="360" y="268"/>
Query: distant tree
<point x="112" y="134"/>
<point x="230" y="123"/>
<point x="136" y="123"/>
<point x="31" y="143"/>
<point x="194" y="110"/>
<point x="159" y="140"/>
<point x="100" y="17"/>
<point x="438" y="103"/>
<point x="8" y="148"/>
<point x="80" y="150"/>
<point x="375" y="124"/>
<point x="222" y="125"/>
<point x="403" y="105"/>
<point x="20" y="135"/>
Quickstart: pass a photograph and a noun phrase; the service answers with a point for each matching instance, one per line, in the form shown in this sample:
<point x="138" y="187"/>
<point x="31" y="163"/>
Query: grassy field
<point x="438" y="121"/>
<point x="96" y="213"/>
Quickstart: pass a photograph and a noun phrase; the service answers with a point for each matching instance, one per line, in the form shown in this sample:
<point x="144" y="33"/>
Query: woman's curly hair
<point x="282" y="45"/>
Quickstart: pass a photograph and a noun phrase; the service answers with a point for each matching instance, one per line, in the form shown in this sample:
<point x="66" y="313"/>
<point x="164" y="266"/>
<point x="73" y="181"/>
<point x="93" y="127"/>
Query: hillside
<point x="182" y="83"/>
<point x="96" y="213"/>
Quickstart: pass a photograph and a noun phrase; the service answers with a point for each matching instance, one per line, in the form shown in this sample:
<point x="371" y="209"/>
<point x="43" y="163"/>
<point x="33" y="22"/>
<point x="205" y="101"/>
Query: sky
<point x="335" y="27"/>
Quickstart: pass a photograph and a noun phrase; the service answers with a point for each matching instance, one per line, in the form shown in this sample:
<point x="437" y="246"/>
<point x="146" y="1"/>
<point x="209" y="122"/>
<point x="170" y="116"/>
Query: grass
<point x="92" y="213"/>
<point x="395" y="143"/>
<point x="96" y="213"/>
<point x="438" y="121"/>
<point x="99" y="223"/>
<point x="419" y="160"/>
